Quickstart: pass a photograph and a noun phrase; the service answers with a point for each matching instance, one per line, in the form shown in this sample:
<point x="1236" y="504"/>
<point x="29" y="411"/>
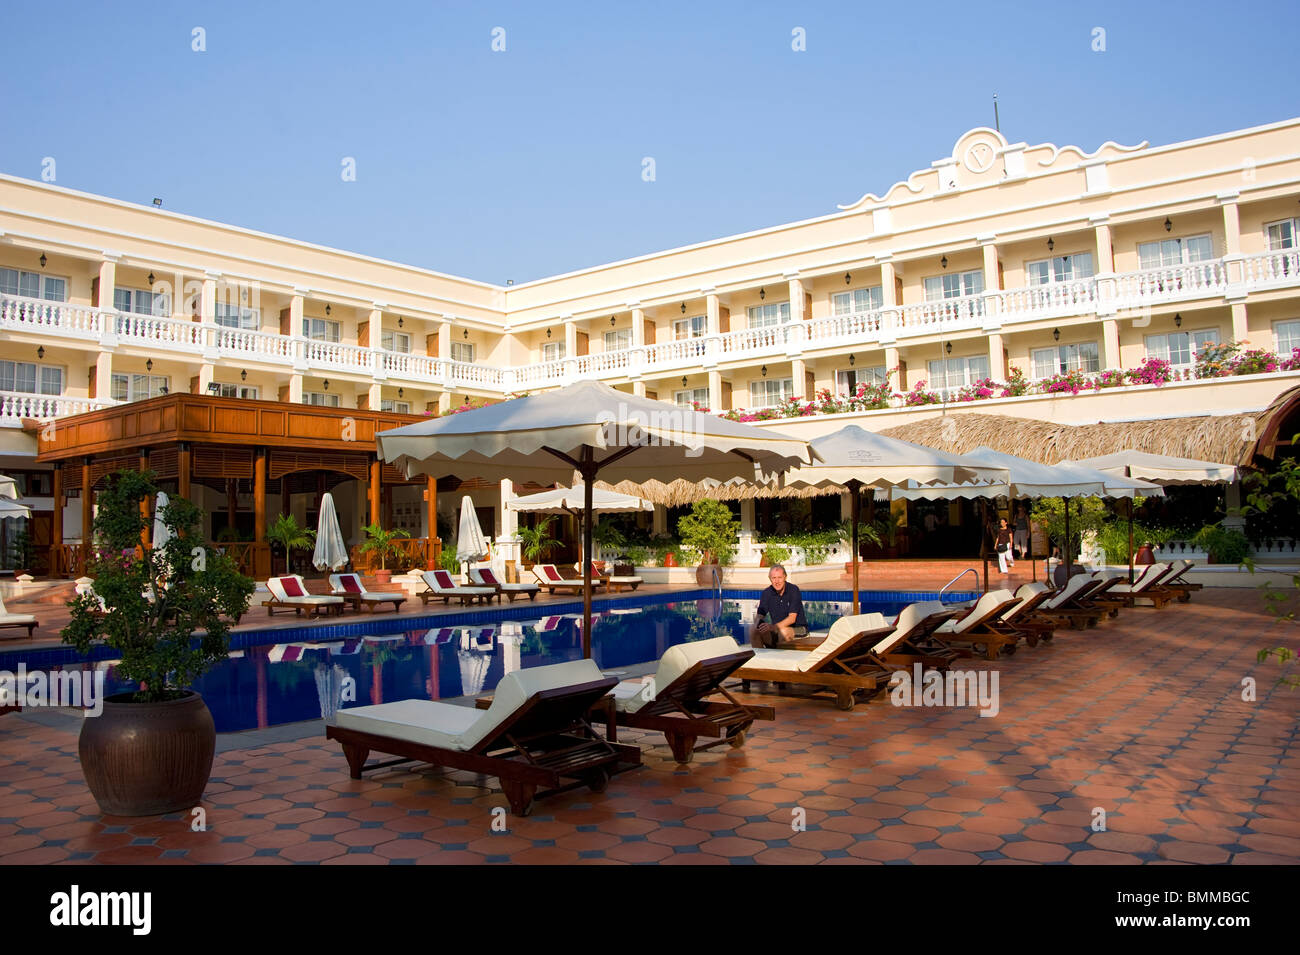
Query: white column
<point x="295" y="389"/>
<point x="295" y="312"/>
<point x="208" y="299"/>
<point x="1105" y="274"/>
<point x="715" y="392"/>
<point x="207" y="373"/>
<point x="1110" y="344"/>
<point x="799" y="372"/>
<point x="103" y="375"/>
<point x="997" y="357"/>
<point x="570" y="337"/>
<point x="1232" y="502"/>
<point x="374" y="396"/>
<point x="107" y="281"/>
<point x="444" y="338"/>
<point x="659" y="523"/>
<point x="796" y="300"/>
<point x="712" y="314"/>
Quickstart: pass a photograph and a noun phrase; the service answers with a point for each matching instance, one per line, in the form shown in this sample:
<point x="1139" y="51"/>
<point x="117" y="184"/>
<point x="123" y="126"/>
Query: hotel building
<point x="1046" y="258"/>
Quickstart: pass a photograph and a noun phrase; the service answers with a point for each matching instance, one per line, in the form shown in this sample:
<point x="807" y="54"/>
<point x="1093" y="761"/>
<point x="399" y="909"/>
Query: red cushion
<point x="291" y="587"/>
<point x="350" y="583"/>
<point x="552" y="572"/>
<point x="443" y="578"/>
<point x="488" y="577"/>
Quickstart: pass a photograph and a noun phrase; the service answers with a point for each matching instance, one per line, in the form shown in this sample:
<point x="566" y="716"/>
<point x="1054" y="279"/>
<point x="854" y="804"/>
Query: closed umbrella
<point x="471" y="545"/>
<point x="331" y="550"/>
<point x="600" y="433"/>
<point x="161" y="532"/>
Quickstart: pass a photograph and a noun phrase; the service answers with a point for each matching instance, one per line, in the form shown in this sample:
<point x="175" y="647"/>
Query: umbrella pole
<point x="984" y="544"/>
<point x="1130" y="541"/>
<point x="1067" y="539"/>
<point x="588" y="476"/>
<point x="855" y="508"/>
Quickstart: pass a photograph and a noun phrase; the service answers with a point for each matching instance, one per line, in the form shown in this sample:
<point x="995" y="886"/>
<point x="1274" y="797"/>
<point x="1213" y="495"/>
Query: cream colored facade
<point x="1142" y="250"/>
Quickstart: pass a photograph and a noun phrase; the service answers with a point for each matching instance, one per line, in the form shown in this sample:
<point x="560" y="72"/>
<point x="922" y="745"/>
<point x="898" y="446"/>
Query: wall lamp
<point x="763" y="371"/>
<point x="943" y="263"/>
<point x="850" y="361"/>
<point x="1051" y="244"/>
<point x="1168" y="225"/>
<point x="148" y="365"/>
<point x="1056" y="334"/>
<point x="1178" y="320"/>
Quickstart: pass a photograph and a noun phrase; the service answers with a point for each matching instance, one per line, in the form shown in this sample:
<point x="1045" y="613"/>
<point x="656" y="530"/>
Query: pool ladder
<point x="968" y="570"/>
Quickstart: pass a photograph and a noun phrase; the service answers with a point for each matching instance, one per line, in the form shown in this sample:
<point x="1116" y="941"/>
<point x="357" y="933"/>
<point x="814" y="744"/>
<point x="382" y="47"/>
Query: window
<point x="236" y="316"/>
<point x="237" y="391"/>
<point x="848" y="379"/>
<point x="1282" y="235"/>
<point x="141" y="301"/>
<point x="31" y="378"/>
<point x="1064" y="358"/>
<point x="692" y="327"/>
<point x="949" y="374"/>
<point x="1167" y="252"/>
<point x="768" y="316"/>
<point x="858" y="300"/>
<point x="618" y="340"/>
<point x="1179" y="348"/>
<point x="322" y="398"/>
<point x="321" y="329"/>
<point x="400" y="407"/>
<point x="1062" y="268"/>
<point x="139" y="387"/>
<point x="938" y="287"/>
<point x="552" y="351"/>
<point x="770" y="392"/>
<point x="1288" y="336"/>
<point x="463" y="351"/>
<point x="684" y="397"/>
<point x="52" y="288"/>
<point x="395" y="341"/>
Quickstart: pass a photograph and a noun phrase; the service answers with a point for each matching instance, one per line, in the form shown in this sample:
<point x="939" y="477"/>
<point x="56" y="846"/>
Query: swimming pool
<point x="301" y="673"/>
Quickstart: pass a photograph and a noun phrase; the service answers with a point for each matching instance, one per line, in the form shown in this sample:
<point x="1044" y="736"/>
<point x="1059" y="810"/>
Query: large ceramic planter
<point x="145" y="759"/>
<point x="383" y="576"/>
<point x="708" y="575"/>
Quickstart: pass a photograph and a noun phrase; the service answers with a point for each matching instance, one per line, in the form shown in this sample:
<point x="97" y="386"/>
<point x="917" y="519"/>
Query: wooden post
<point x="87" y="516"/>
<point x="232" y="501"/>
<point x="57" y="569"/>
<point x="376" y="472"/>
<point x="259" y="496"/>
<point x="184" y="467"/>
<point x="146" y="531"/>
<point x="431" y="517"/>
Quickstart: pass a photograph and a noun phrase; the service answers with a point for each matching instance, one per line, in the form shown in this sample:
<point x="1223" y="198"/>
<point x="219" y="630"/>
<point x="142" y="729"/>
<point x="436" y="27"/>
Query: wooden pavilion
<point x="233" y="446"/>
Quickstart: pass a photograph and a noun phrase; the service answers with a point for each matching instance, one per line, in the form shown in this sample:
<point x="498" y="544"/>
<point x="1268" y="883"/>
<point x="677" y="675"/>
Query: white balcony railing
<point x="16" y="405"/>
<point x="1171" y="283"/>
<point x="104" y="328"/>
<point x="944" y="315"/>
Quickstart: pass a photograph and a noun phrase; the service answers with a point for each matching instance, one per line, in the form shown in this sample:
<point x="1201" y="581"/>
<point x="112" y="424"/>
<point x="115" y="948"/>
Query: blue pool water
<point x="300" y="673"/>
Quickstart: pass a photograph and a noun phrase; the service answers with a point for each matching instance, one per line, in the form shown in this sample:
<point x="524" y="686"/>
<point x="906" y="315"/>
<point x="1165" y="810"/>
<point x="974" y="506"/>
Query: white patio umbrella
<point x="1160" y="469"/>
<point x="331" y="550"/>
<point x="590" y="428"/>
<point x="471" y="545"/>
<point x="853" y="458"/>
<point x="1026" y="478"/>
<point x="569" y="500"/>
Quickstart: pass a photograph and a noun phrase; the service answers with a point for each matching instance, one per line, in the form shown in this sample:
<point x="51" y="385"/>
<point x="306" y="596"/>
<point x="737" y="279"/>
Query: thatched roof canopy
<point x="1229" y="439"/>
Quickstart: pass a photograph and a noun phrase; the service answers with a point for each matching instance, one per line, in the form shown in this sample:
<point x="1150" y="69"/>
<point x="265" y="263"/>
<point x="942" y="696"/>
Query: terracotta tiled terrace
<point x="1142" y="717"/>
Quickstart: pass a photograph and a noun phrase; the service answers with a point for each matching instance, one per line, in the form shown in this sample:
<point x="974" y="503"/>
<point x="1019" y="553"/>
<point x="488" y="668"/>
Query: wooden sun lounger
<point x="446" y="590"/>
<point x="553" y="581"/>
<point x="348" y="586"/>
<point x="847" y="662"/>
<point x="1175" y="581"/>
<point x="282" y="599"/>
<point x="544" y="745"/>
<point x="681" y="710"/>
<point x="1150" y="586"/>
<point x="18" y="621"/>
<point x="979" y="628"/>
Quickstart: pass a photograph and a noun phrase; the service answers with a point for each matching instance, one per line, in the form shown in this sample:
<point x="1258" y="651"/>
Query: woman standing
<point x="1020" y="542"/>
<point x="1002" y="545"/>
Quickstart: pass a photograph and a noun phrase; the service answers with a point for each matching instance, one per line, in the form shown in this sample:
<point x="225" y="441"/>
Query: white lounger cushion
<point x="843" y="630"/>
<point x="1025" y="594"/>
<point x="448" y="726"/>
<point x="307" y="600"/>
<point x="1077" y="583"/>
<point x="1149" y="577"/>
<point x="982" y="606"/>
<point x="630" y="696"/>
<point x="476" y="578"/>
<point x="432" y="582"/>
<point x="912" y="615"/>
<point x="6" y="617"/>
<point x="625" y="580"/>
<point x="336" y="582"/>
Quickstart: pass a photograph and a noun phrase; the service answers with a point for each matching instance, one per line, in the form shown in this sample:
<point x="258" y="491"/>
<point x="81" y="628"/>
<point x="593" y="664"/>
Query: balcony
<point x="1095" y="297"/>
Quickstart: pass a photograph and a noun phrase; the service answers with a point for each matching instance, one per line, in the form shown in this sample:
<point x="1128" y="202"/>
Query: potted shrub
<point x="150" y="750"/>
<point x="536" y="542"/>
<point x="383" y="544"/>
<point x="1224" y="545"/>
<point x="286" y="532"/>
<point x="887" y="526"/>
<point x="774" y="554"/>
<point x="711" y="535"/>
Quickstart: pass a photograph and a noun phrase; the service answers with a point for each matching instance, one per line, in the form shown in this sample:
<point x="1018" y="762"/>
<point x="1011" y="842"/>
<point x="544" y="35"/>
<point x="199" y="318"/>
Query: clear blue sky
<point x="528" y="162"/>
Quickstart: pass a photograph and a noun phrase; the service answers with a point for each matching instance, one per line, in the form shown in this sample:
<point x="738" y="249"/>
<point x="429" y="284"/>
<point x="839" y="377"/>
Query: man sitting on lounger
<point x="780" y="612"/>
